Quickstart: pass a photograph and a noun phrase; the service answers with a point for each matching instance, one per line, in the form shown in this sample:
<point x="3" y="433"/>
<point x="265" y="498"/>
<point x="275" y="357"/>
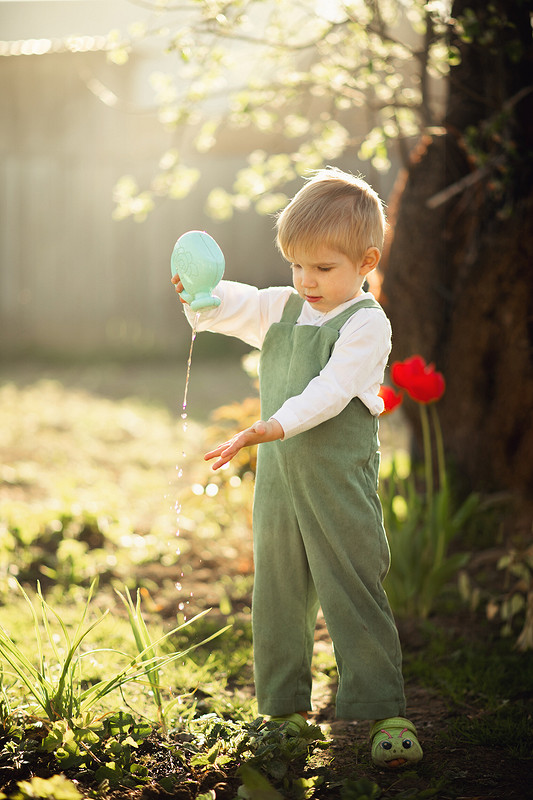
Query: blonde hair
<point x="335" y="209"/>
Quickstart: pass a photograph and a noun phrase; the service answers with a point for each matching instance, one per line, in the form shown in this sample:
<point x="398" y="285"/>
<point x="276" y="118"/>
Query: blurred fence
<point x="73" y="280"/>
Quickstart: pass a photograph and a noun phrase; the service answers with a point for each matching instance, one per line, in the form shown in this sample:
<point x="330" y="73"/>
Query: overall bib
<point x="319" y="540"/>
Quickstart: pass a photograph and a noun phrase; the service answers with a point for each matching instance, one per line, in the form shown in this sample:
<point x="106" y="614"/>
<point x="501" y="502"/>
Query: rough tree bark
<point x="458" y="277"/>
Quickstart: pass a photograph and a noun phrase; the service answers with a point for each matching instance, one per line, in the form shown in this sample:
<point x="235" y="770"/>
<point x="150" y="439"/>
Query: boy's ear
<point x="370" y="260"/>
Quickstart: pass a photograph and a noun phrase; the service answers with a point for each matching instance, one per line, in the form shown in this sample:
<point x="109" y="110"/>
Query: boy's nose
<point x="308" y="279"/>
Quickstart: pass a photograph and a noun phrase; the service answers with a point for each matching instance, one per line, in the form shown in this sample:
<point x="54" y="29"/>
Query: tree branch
<point x="464" y="183"/>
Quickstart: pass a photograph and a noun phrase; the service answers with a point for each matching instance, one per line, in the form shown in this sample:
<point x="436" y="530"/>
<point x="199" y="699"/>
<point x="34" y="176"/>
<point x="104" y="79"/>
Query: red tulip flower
<point x="421" y="381"/>
<point x="391" y="399"/>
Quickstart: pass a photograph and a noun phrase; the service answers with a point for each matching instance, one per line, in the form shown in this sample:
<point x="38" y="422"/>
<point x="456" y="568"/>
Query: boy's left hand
<point x="259" y="432"/>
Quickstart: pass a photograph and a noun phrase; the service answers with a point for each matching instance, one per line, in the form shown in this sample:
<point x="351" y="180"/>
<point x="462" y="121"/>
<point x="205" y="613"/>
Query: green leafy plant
<point x="266" y="755"/>
<point x="105" y="747"/>
<point x="419" y="539"/>
<point x="256" y="786"/>
<point x="55" y="788"/>
<point x="516" y="603"/>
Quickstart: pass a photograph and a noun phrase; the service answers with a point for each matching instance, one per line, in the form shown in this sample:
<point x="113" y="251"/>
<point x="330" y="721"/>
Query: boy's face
<point x="326" y="277"/>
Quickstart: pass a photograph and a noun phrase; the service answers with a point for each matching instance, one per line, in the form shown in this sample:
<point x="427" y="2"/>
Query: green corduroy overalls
<point x="319" y="540"/>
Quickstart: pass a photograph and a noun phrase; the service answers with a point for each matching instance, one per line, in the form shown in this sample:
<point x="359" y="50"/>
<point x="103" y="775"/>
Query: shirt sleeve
<point x="245" y="312"/>
<point x="355" y="369"/>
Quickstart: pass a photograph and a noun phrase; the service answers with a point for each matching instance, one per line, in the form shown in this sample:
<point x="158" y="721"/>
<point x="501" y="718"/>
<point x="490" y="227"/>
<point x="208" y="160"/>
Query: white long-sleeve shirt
<point x="356" y="365"/>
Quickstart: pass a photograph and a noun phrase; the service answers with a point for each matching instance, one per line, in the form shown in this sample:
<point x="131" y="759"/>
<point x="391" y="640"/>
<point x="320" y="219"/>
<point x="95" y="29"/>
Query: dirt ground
<point x="461" y="772"/>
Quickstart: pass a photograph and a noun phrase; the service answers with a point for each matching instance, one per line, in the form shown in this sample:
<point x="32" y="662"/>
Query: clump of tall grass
<point x="55" y="685"/>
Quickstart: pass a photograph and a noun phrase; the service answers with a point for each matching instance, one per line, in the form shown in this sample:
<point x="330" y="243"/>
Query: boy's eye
<point x="324" y="269"/>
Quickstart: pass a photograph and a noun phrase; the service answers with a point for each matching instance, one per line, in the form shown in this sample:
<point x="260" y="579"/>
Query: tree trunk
<point x="458" y="277"/>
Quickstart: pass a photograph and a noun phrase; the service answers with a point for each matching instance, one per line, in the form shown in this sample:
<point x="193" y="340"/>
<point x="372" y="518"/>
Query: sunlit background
<point x="80" y="125"/>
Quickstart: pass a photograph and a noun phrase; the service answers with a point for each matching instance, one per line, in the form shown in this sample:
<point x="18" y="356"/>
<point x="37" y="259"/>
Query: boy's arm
<point x="258" y="433"/>
<point x="245" y="311"/>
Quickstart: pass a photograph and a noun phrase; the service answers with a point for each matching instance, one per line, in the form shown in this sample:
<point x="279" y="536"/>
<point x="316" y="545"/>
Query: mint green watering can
<point x="199" y="262"/>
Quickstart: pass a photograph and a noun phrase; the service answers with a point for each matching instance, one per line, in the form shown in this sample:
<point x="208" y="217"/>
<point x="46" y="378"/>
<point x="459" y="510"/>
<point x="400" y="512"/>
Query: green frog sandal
<point x="293" y="724"/>
<point x="394" y="743"/>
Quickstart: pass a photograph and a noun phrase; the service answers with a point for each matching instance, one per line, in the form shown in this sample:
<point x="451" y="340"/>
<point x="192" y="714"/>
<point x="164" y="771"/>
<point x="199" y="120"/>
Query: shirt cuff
<point x="289" y="422"/>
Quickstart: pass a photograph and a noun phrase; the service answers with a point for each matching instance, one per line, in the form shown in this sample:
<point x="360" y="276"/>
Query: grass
<point x="99" y="483"/>
<point x="486" y="681"/>
<point x="460" y="669"/>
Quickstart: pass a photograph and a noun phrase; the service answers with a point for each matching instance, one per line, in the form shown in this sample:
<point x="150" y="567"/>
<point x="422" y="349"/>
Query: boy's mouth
<point x="312" y="299"/>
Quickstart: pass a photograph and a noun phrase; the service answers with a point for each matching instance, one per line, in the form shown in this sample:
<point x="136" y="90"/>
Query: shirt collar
<point x="310" y="316"/>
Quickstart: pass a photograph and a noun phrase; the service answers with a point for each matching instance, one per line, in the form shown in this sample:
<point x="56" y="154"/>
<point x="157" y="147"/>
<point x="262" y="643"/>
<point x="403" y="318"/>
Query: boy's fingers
<point x="217" y="451"/>
<point x="178" y="285"/>
<point x="213" y="453"/>
<point x="225" y="452"/>
<point x="225" y="456"/>
<point x="228" y="449"/>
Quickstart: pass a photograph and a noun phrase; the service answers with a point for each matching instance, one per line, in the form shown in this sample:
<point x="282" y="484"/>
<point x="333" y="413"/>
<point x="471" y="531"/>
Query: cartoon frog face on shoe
<point x="395" y="744"/>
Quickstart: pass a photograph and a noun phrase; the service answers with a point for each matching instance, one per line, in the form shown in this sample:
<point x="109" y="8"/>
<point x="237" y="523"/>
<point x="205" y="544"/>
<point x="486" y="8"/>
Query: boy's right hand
<point x="178" y="286"/>
<point x="259" y="432"/>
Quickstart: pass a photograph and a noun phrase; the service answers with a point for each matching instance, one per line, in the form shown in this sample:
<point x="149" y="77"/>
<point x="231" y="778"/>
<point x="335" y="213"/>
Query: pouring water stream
<point x="188" y="375"/>
<point x="184" y="415"/>
<point x="199" y="262"/>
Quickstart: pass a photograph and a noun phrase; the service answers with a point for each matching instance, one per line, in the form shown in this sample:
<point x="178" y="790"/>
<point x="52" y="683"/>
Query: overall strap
<point x="338" y="321"/>
<point x="292" y="309"/>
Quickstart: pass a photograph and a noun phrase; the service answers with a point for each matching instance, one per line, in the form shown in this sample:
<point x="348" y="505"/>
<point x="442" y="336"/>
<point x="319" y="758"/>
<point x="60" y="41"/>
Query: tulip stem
<point x="440" y="447"/>
<point x="428" y="457"/>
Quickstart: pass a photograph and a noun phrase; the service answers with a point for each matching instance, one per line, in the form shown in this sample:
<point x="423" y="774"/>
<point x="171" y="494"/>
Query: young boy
<point x="318" y="532"/>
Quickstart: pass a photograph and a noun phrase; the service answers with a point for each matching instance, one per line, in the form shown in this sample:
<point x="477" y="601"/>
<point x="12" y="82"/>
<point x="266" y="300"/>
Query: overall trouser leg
<point x="346" y="566"/>
<point x="284" y="606"/>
